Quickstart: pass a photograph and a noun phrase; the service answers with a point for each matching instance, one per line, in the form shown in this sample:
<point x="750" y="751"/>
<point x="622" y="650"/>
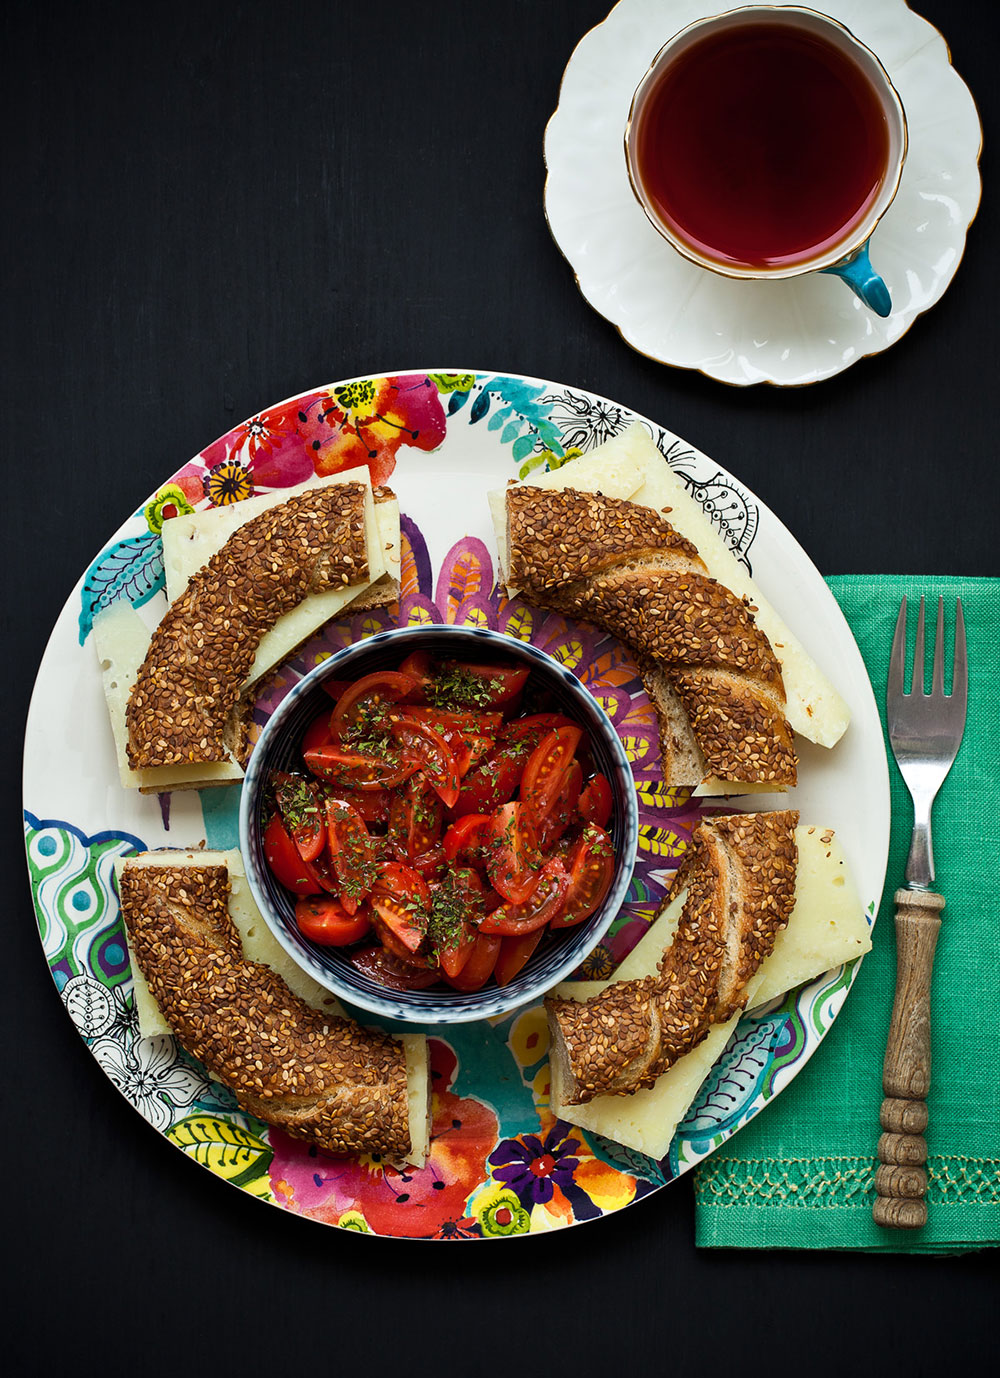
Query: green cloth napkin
<point x="801" y="1175"/>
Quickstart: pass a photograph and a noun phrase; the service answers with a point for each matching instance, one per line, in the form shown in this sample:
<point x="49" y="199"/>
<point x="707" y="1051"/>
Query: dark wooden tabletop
<point x="209" y="207"/>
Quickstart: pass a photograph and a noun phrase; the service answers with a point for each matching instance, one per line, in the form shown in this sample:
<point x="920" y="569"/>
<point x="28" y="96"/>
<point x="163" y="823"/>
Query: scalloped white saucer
<point x="791" y="332"/>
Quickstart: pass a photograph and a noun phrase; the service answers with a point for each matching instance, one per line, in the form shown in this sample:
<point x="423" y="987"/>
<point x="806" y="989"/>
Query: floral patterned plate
<point x="500" y="1163"/>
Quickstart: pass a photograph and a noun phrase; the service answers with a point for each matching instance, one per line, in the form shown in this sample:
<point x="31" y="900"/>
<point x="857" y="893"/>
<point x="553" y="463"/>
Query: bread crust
<point x="318" y="1077"/>
<point x="739" y="874"/>
<point x="623" y="567"/>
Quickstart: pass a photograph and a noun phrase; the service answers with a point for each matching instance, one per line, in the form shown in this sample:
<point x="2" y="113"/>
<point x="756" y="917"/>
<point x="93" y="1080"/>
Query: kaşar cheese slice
<point x="632" y="462"/>
<point x="827" y="928"/>
<point x="121" y="640"/>
<point x="260" y="945"/>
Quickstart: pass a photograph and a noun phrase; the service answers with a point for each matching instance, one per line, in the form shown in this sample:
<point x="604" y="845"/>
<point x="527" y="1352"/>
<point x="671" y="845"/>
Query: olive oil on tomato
<point x="762" y="146"/>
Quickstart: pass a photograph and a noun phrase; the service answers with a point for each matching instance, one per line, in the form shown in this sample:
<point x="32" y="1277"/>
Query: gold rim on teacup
<point x="847" y="259"/>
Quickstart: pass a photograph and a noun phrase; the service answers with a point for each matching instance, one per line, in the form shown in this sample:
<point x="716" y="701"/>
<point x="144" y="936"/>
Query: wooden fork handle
<point x="901" y="1181"/>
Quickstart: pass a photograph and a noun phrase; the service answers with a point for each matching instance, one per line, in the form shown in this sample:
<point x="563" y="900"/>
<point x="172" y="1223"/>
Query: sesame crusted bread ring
<point x="317" y="1076"/>
<point x="184" y="705"/>
<point x="739" y="875"/>
<point x="710" y="670"/>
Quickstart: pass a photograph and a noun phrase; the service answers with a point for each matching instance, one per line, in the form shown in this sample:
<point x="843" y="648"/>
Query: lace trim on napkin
<point x="836" y="1182"/>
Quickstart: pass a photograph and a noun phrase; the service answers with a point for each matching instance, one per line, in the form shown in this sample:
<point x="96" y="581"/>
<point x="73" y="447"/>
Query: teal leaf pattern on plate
<point x="733" y="1083"/>
<point x="523" y="419"/>
<point x="131" y="568"/>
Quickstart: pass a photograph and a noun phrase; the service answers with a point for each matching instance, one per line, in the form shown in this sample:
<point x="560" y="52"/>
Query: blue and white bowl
<point x="558" y="953"/>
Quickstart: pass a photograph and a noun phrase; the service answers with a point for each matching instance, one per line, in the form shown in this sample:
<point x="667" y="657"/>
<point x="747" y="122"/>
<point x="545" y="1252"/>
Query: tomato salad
<point x="437" y="827"/>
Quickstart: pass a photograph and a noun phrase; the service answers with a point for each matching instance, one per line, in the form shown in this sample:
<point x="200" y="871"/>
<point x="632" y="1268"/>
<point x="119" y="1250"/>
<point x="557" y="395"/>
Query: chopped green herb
<point x="455" y="687"/>
<point x="296" y="801"/>
<point x="521" y="746"/>
<point x="452" y="905"/>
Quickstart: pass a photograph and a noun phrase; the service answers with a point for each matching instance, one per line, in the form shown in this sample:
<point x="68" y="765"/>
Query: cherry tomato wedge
<point x="324" y="920"/>
<point x="429" y="864"/>
<point x="547" y="768"/>
<point x="351" y="851"/>
<point x="492" y="782"/>
<point x="467" y="837"/>
<point x="514" y="920"/>
<point x="454" y="954"/>
<point x="356" y="771"/>
<point x="364" y="706"/>
<point x="415" y="819"/>
<point x="591" y="866"/>
<point x="456" y="897"/>
<point x="478" y="966"/>
<point x="322" y="874"/>
<point x="417" y="666"/>
<point x="401" y="900"/>
<point x="402" y="883"/>
<point x="514" y="954"/>
<point x="512" y="858"/>
<point x="436" y="758"/>
<point x="283" y="858"/>
<point x="451" y="722"/>
<point x="455" y="908"/>
<point x="397" y="932"/>
<point x="595" y="801"/>
<point x="563" y="811"/>
<point x="299" y="806"/>
<point x="386" y="970"/>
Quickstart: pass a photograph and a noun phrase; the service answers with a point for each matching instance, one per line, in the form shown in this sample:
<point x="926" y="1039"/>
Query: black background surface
<point x="209" y="207"/>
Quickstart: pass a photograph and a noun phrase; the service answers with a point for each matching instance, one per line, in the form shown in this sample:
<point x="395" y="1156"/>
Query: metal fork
<point x="925" y="731"/>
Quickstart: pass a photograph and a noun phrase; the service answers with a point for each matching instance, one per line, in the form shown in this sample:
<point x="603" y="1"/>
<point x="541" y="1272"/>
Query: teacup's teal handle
<point x="862" y="279"/>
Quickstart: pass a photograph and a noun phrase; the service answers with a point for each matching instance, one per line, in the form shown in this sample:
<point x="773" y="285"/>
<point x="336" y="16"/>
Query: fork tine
<point x="917" y="679"/>
<point x="960" y="668"/>
<point x="897" y="656"/>
<point x="937" y="684"/>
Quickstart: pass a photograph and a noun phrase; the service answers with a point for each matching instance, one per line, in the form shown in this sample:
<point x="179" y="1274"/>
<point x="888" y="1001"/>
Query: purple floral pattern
<point x="534" y="1167"/>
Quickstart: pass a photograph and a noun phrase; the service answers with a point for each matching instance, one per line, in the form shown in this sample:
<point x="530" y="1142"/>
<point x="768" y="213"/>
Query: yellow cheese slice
<point x="827" y="927"/>
<point x="814" y="708"/>
<point x="190" y="541"/>
<point x="121" y="640"/>
<point x="260" y="945"/>
<point x="713" y="788"/>
<point x="418" y="1096"/>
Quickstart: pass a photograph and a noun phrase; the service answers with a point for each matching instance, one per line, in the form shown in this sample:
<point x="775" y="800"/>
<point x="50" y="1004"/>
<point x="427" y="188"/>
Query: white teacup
<point x="847" y="257"/>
